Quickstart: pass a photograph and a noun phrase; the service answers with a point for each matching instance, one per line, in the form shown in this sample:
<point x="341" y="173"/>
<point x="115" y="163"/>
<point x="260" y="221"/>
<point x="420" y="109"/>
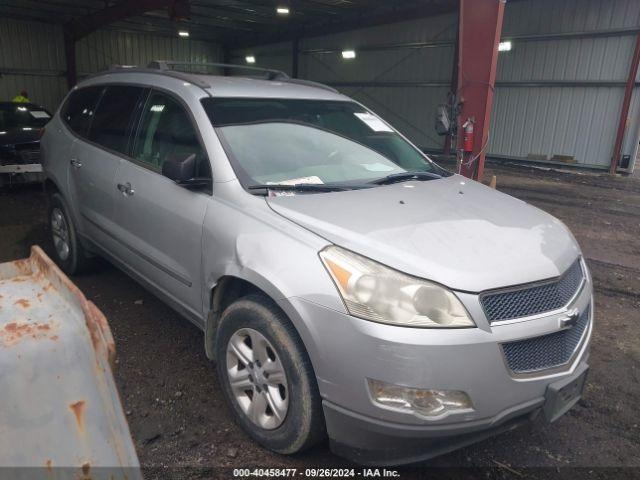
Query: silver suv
<point x="347" y="286"/>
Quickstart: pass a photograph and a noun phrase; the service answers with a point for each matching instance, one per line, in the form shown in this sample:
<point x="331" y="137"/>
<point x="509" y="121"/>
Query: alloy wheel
<point x="60" y="232"/>
<point x="257" y="378"/>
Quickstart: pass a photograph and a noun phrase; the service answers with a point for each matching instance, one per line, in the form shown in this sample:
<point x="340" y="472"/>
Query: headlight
<point x="378" y="293"/>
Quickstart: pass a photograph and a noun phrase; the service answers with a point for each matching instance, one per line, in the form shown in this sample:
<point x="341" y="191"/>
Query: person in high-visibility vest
<point x="22" y="98"/>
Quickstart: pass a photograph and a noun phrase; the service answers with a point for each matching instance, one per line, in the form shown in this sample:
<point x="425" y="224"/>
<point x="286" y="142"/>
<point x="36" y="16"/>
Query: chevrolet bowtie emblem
<point x="570" y="319"/>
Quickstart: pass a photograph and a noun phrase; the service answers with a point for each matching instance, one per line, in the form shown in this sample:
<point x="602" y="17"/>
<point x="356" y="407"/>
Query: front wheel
<point x="267" y="377"/>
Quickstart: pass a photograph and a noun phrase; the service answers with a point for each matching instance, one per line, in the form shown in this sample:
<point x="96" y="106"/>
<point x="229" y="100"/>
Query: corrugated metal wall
<point x="108" y="47"/>
<point x="320" y="60"/>
<point x="32" y="56"/>
<point x="430" y="66"/>
<point x="276" y="55"/>
<point x="574" y="104"/>
<point x="558" y="92"/>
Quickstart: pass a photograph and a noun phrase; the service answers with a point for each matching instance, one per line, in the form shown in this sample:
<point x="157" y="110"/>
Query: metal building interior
<point x="552" y="91"/>
<point x="570" y="71"/>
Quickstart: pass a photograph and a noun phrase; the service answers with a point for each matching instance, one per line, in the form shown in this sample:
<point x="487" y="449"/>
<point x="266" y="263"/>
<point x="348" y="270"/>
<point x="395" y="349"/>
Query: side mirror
<point x="180" y="167"/>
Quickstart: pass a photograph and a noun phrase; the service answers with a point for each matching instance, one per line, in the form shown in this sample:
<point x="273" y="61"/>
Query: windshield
<point x="283" y="141"/>
<point x="22" y="116"/>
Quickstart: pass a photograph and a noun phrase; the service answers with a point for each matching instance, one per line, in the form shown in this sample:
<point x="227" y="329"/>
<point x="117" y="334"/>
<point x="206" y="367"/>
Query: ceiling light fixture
<point x="282" y="10"/>
<point x="183" y="33"/>
<point x="250" y="59"/>
<point x="504" y="46"/>
<point x="348" y="54"/>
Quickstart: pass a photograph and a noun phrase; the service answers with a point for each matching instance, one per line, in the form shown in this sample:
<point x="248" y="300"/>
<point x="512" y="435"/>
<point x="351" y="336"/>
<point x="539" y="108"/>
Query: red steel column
<point x="626" y="102"/>
<point x="479" y="35"/>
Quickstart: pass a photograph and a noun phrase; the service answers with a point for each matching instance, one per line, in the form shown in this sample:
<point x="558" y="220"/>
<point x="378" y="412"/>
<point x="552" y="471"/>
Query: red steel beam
<point x="624" y="112"/>
<point x="480" y="26"/>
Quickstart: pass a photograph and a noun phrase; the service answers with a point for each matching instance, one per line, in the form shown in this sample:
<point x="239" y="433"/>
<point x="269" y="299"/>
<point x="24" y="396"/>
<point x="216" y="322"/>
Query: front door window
<point x="166" y="130"/>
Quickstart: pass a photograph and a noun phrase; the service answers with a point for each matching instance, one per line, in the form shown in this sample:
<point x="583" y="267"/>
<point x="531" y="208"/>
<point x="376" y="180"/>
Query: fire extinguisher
<point x="467" y="141"/>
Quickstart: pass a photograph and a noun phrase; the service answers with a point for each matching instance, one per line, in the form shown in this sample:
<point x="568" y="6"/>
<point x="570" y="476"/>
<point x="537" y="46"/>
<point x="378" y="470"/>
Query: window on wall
<point x="80" y="107"/>
<point x="166" y="130"/>
<point x="113" y="118"/>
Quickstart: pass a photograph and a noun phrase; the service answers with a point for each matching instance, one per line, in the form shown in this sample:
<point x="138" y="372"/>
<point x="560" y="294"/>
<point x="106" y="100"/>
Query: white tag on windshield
<point x="373" y="122"/>
<point x="313" y="180"/>
<point x="39" y="114"/>
<point x="378" y="167"/>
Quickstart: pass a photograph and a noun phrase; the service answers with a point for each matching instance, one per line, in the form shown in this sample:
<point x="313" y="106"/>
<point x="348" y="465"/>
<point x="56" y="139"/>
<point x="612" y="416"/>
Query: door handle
<point x="125" y="189"/>
<point x="75" y="163"/>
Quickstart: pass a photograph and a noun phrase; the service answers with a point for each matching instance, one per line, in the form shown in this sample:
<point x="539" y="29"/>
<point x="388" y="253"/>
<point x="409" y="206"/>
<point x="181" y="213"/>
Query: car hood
<point x="17" y="136"/>
<point x="454" y="231"/>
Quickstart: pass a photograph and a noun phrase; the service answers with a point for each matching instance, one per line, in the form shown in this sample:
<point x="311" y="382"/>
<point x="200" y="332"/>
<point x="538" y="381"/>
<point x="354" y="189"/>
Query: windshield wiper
<point x="405" y="177"/>
<point x="304" y="187"/>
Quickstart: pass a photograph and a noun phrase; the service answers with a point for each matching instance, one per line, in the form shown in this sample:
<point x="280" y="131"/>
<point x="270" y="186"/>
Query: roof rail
<point x="194" y="79"/>
<point x="311" y="83"/>
<point x="116" y="66"/>
<point x="165" y="65"/>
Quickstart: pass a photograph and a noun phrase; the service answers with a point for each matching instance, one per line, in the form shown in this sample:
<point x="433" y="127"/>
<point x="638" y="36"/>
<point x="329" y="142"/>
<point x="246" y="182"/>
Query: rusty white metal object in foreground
<point x="59" y="405"/>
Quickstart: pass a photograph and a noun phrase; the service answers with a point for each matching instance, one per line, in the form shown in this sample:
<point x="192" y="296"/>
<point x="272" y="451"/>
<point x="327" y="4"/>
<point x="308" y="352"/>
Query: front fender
<point x="247" y="240"/>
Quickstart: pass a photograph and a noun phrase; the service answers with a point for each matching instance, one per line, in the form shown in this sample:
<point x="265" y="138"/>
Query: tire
<point x="254" y="318"/>
<point x="72" y="259"/>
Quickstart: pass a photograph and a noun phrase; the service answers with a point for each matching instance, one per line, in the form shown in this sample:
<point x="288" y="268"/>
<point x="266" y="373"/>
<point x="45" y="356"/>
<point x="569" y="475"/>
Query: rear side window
<point x="111" y="125"/>
<point x="80" y="108"/>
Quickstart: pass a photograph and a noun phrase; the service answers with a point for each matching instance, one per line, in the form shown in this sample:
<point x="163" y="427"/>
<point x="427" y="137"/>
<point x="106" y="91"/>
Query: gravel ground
<point x="182" y="427"/>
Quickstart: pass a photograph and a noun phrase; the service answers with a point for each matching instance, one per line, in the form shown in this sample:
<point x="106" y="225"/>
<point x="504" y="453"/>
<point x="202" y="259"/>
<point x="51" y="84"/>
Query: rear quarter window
<point x="79" y="110"/>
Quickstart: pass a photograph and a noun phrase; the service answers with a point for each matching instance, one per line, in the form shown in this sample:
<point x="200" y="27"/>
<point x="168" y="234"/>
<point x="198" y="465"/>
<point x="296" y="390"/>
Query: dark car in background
<point x="21" y="126"/>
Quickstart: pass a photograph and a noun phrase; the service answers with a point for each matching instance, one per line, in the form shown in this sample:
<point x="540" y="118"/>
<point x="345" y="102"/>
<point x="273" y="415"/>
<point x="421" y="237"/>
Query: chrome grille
<point x="547" y="351"/>
<point x="533" y="300"/>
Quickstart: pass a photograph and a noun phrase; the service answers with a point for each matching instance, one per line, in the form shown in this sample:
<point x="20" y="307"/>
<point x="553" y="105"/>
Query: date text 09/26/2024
<point x="316" y="473"/>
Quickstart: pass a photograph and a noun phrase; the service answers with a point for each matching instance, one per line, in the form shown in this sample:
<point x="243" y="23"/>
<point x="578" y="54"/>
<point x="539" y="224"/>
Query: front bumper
<point x="21" y="168"/>
<point x="369" y="441"/>
<point x="346" y="351"/>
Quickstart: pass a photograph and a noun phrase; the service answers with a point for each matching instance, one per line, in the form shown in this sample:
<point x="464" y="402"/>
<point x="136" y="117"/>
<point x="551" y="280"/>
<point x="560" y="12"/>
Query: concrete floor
<point x="178" y="417"/>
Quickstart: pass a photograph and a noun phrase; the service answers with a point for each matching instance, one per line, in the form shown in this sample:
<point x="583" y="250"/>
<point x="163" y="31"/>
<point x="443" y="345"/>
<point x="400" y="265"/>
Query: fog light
<point x="428" y="403"/>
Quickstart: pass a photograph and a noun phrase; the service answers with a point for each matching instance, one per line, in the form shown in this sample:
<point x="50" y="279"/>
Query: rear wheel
<point x="267" y="377"/>
<point x="68" y="252"/>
